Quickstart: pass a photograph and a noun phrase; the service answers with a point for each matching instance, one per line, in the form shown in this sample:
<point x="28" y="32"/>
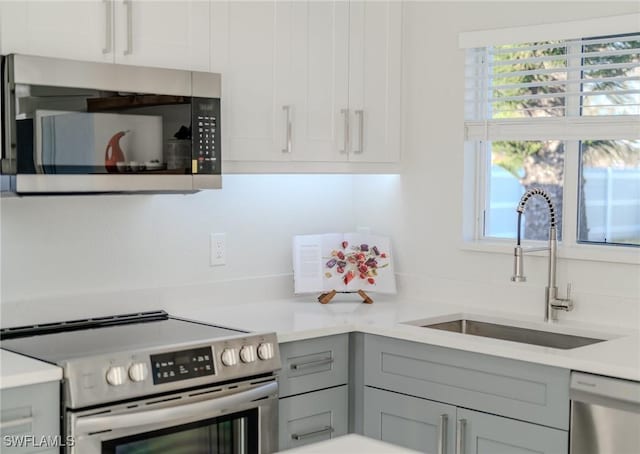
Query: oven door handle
<point x="143" y="418"/>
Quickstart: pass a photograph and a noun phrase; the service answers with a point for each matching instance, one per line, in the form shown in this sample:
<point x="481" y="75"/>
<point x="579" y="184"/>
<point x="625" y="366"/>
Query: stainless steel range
<point x="151" y="383"/>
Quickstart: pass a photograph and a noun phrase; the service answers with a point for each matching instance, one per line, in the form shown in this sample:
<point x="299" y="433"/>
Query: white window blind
<point x="566" y="89"/>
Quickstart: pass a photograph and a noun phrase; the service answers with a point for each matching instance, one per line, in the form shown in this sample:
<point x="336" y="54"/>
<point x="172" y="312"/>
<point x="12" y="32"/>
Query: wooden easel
<point x="325" y="298"/>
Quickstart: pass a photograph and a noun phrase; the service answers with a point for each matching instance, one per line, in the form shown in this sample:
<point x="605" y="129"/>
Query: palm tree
<point x="534" y="93"/>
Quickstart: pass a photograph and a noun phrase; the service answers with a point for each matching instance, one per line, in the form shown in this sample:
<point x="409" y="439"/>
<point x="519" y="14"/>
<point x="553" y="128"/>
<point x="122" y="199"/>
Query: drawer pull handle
<point x="319" y="362"/>
<point x="108" y="39"/>
<point x="345" y="148"/>
<point x="313" y="433"/>
<point x="461" y="436"/>
<point x="442" y="434"/>
<point x="16" y="422"/>
<point x="287" y="139"/>
<point x="360" y="115"/>
<point x="129" y="6"/>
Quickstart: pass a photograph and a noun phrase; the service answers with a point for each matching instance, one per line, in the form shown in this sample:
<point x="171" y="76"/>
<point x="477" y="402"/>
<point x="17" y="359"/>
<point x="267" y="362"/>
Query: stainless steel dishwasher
<point x="605" y="415"/>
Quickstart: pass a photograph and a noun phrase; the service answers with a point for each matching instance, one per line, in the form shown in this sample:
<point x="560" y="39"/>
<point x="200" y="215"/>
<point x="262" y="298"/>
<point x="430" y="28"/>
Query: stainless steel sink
<point x="514" y="334"/>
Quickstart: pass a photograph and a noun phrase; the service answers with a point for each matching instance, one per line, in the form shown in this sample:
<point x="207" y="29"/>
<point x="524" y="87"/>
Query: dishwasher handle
<point x="598" y="389"/>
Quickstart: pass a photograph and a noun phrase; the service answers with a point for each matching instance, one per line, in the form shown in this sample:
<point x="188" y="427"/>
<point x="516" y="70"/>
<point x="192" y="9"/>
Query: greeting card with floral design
<point x="346" y="262"/>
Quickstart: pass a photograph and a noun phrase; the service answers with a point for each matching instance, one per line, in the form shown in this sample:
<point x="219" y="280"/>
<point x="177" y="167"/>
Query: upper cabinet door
<point x="62" y="29"/>
<point x="375" y="71"/>
<point x="168" y="34"/>
<point x="320" y="80"/>
<point x="251" y="47"/>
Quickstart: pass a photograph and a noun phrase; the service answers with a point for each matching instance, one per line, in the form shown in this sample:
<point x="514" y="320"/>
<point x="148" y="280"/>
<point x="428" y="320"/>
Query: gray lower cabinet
<point x="490" y="434"/>
<point x="313" y="364"/>
<point x="30" y="415"/>
<point x="435" y="428"/>
<point x="444" y="401"/>
<point x="314" y="390"/>
<point x="312" y="417"/>
<point x="408" y="421"/>
<point x="513" y="388"/>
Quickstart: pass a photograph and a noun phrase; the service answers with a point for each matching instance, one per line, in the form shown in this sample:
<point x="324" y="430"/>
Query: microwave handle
<point x="8" y="159"/>
<point x="143" y="418"/>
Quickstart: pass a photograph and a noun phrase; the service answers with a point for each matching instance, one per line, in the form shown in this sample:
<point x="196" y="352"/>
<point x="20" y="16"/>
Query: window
<point x="562" y="115"/>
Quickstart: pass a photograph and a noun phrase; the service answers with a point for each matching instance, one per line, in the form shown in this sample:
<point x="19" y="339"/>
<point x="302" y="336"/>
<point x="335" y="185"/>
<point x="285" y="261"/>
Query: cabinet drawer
<point x="313" y="417"/>
<point x="32" y="411"/>
<point x="314" y="364"/>
<point x="517" y="389"/>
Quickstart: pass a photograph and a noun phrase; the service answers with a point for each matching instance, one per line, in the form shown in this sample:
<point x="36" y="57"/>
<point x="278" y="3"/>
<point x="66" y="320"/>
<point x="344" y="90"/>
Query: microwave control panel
<point x="182" y="365"/>
<point x="206" y="136"/>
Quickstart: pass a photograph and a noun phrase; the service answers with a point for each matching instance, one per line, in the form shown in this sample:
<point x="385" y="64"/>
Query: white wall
<point x="83" y="255"/>
<point x="65" y="257"/>
<point x="423" y="211"/>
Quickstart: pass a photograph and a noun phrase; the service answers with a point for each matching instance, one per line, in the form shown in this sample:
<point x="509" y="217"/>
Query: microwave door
<point x="93" y="143"/>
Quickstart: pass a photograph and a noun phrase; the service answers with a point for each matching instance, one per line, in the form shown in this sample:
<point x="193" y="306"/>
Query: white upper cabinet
<point x="170" y="34"/>
<point x="309" y="81"/>
<point x="320" y="81"/>
<point x="375" y="72"/>
<point x="251" y="47"/>
<point x="63" y="29"/>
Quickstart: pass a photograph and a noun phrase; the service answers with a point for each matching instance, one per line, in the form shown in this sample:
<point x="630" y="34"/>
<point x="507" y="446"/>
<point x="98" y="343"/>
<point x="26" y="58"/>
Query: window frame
<point x="477" y="154"/>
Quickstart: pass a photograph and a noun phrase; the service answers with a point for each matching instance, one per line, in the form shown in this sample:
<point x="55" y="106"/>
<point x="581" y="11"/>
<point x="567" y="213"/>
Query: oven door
<point x="236" y="419"/>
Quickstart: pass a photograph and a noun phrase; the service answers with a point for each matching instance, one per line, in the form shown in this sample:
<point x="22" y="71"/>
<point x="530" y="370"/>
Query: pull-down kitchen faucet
<point x="552" y="302"/>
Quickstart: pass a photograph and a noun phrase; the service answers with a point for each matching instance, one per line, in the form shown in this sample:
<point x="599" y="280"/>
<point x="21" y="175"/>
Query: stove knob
<point x="138" y="372"/>
<point x="265" y="351"/>
<point x="229" y="357"/>
<point x="248" y="354"/>
<point x="116" y="375"/>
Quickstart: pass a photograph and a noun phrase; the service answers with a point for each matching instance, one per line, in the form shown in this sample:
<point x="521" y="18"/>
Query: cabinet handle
<point x="16" y="423"/>
<point x="287" y="140"/>
<point x="319" y="362"/>
<point x="108" y="34"/>
<point x="461" y="428"/>
<point x="442" y="435"/>
<point x="345" y="148"/>
<point x="360" y="115"/>
<point x="129" y="6"/>
<point x="313" y="433"/>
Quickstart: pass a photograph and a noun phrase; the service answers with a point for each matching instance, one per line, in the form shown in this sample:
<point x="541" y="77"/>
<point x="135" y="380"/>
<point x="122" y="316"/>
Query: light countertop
<point x="304" y="318"/>
<point x="17" y="370"/>
<point x="351" y="444"/>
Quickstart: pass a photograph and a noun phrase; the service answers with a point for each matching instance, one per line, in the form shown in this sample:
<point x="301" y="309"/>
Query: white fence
<point x="612" y="203"/>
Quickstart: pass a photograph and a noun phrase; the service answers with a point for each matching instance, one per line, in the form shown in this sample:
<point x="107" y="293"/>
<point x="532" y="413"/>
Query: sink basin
<point x="514" y="333"/>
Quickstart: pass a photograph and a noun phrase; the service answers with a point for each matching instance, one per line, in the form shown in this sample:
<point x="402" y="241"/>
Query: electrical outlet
<point x="218" y="253"/>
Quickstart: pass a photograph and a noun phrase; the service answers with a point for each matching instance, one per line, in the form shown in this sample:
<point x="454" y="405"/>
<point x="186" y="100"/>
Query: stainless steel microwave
<point x="81" y="127"/>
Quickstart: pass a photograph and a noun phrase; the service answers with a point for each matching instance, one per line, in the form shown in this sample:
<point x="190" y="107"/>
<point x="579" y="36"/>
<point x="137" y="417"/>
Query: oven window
<point x="230" y="434"/>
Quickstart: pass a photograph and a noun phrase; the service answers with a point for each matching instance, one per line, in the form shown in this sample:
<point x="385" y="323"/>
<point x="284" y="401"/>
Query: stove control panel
<point x="181" y="365"/>
<point x="111" y="377"/>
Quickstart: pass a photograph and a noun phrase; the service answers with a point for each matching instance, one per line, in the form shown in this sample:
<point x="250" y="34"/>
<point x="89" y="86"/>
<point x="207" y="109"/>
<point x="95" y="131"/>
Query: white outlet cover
<point x="218" y="253"/>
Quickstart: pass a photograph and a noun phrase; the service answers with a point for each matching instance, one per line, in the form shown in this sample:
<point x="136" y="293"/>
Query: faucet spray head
<point x="518" y="266"/>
